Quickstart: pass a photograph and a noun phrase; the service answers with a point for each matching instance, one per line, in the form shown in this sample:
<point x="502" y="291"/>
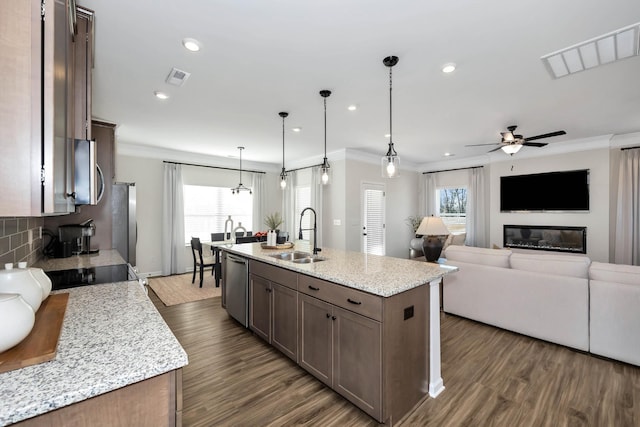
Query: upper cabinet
<point x="38" y="106"/>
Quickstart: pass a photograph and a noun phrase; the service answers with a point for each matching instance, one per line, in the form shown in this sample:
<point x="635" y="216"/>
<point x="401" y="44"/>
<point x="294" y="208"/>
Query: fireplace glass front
<point x="546" y="238"/>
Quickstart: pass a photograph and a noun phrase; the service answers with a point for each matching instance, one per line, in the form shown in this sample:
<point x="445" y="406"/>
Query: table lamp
<point x="432" y="228"/>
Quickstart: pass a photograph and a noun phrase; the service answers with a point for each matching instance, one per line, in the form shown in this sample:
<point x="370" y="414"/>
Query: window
<point x="373" y="218"/>
<point x="452" y="208"/>
<point x="302" y="200"/>
<point x="207" y="208"/>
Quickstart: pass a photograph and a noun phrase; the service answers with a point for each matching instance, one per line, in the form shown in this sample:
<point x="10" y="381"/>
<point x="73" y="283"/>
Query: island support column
<point x="436" y="385"/>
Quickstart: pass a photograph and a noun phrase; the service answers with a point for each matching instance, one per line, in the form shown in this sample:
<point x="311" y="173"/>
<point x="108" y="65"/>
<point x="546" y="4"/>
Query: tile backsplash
<point x="20" y="240"/>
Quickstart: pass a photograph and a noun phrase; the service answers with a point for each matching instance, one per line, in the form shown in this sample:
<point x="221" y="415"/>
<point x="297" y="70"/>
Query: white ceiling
<point x="260" y="57"/>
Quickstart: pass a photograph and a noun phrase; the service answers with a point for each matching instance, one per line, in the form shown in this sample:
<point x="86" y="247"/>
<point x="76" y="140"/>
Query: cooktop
<point x="63" y="279"/>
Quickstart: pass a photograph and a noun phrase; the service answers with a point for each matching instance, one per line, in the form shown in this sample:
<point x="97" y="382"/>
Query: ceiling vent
<point x="605" y="49"/>
<point x="177" y="77"/>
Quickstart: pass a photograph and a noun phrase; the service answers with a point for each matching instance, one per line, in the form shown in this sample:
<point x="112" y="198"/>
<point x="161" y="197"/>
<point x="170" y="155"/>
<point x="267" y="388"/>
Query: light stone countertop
<point x="102" y="258"/>
<point x="379" y="275"/>
<point x="112" y="336"/>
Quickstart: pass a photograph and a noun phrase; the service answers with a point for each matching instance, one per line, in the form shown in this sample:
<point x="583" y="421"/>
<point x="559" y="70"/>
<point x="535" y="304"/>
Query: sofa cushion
<point x="562" y="265"/>
<point x="618" y="273"/>
<point x="473" y="255"/>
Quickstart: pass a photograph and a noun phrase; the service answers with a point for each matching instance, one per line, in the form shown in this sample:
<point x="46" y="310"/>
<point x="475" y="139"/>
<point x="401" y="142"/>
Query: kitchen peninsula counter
<point x="379" y="275"/>
<point x="112" y="338"/>
<point x="367" y="326"/>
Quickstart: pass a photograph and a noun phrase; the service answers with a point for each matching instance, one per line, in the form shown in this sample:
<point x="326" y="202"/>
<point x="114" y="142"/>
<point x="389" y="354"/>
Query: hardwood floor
<point x="492" y="378"/>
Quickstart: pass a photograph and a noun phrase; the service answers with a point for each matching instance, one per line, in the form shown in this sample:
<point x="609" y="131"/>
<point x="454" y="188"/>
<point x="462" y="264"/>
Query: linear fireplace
<point x="546" y="238"/>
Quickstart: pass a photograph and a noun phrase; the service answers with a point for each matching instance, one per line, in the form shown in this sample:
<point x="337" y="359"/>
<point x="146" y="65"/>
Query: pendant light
<point x="240" y="187"/>
<point x="325" y="169"/>
<point x="283" y="174"/>
<point x="390" y="161"/>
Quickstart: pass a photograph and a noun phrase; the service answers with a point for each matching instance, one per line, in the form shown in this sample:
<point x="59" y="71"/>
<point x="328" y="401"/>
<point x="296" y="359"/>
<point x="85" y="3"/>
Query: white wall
<point x="334" y="208"/>
<point x="596" y="220"/>
<point x="401" y="202"/>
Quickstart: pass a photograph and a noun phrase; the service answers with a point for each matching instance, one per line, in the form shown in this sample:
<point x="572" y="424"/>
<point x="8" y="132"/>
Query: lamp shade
<point x="432" y="226"/>
<point x="511" y="148"/>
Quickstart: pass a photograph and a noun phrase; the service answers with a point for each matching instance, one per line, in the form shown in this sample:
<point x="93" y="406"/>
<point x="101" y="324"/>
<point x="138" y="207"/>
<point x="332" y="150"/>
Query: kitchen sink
<point x="291" y="256"/>
<point x="309" y="260"/>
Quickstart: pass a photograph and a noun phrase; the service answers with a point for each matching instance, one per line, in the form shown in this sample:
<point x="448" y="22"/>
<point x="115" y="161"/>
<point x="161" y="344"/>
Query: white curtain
<point x="288" y="206"/>
<point x="627" y="245"/>
<point x="316" y="201"/>
<point x="173" y="247"/>
<point x="476" y="209"/>
<point x="430" y="195"/>
<point x="259" y="201"/>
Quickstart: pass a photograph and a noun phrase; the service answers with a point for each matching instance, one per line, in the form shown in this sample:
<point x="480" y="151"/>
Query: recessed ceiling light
<point x="161" y="95"/>
<point x="352" y="107"/>
<point x="387" y="135"/>
<point x="191" y="44"/>
<point x="297" y="129"/>
<point x="449" y="154"/>
<point x="449" y="68"/>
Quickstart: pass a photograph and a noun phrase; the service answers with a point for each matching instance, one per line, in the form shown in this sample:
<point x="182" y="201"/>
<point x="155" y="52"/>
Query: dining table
<point x="215" y="247"/>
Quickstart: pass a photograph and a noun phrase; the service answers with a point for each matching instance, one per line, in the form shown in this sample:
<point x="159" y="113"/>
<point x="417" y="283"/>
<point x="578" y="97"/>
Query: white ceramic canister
<point x="16" y="320"/>
<point x="41" y="277"/>
<point x="21" y="281"/>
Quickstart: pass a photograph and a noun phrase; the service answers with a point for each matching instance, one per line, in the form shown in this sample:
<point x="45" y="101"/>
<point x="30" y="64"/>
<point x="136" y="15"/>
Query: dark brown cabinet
<point x="273" y="307"/>
<point x="343" y="350"/>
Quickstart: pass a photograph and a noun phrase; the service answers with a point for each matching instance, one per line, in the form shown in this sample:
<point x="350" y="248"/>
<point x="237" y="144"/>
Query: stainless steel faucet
<point x="316" y="249"/>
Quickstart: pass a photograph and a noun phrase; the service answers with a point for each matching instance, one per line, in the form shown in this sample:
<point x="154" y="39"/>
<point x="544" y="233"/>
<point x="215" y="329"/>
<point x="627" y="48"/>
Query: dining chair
<point x="200" y="262"/>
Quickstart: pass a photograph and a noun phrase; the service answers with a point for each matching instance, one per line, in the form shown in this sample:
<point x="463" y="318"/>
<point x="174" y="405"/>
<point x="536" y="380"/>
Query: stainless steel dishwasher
<point x="236" y="286"/>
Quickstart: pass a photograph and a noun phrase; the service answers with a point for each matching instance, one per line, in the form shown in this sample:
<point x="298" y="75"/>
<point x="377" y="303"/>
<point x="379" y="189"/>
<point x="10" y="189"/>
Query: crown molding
<point x="625" y="140"/>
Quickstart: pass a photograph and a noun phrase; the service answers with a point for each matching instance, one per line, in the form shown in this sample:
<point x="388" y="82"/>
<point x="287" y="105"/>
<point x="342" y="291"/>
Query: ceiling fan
<point x="511" y="143"/>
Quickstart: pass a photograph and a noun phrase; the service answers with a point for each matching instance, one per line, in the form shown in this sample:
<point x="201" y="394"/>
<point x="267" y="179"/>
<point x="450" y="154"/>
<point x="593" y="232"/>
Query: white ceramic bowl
<point x="43" y="280"/>
<point x="21" y="281"/>
<point x="16" y="320"/>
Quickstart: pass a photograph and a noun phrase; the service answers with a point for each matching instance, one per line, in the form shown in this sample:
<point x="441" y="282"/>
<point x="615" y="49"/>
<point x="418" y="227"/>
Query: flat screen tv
<point x="544" y="192"/>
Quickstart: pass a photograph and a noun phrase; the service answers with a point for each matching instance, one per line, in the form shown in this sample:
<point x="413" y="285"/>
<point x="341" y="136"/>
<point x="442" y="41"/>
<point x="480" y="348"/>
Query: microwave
<point x="88" y="180"/>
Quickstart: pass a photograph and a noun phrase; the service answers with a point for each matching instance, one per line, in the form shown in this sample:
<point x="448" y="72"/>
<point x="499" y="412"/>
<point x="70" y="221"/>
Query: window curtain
<point x="173" y="248"/>
<point x="259" y="201"/>
<point x="288" y="206"/>
<point x="627" y="245"/>
<point x="316" y="201"/>
<point x="476" y="209"/>
<point x="430" y="195"/>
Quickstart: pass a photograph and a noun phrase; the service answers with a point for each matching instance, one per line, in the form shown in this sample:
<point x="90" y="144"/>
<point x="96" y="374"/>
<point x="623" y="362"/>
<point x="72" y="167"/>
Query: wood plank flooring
<point x="492" y="378"/>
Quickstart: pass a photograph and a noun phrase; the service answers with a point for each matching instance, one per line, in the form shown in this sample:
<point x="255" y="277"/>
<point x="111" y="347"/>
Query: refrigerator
<point x="124" y="231"/>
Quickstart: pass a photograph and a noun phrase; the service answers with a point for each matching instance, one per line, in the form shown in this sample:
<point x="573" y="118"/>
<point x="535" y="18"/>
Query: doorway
<point x="373" y="218"/>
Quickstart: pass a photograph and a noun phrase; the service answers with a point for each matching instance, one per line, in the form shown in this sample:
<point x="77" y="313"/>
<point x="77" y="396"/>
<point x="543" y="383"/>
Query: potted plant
<point x="273" y="220"/>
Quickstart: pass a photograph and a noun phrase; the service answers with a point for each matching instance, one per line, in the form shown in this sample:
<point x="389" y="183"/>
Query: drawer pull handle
<point x="333" y="317"/>
<point x="313" y="288"/>
<point x="353" y="302"/>
<point x="328" y="315"/>
<point x="268" y="290"/>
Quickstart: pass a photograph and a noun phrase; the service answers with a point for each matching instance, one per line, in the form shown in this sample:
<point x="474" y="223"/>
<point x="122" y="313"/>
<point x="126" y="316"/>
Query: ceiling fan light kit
<point x="283" y="174"/>
<point x="511" y="143"/>
<point x="241" y="186"/>
<point x="325" y="168"/>
<point x="390" y="161"/>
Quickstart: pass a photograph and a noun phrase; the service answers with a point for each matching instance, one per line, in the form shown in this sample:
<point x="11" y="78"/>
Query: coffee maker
<point x="78" y="237"/>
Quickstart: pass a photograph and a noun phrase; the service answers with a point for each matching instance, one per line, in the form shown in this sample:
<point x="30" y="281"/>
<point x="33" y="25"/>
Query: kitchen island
<point x="367" y="326"/>
<point x="117" y="363"/>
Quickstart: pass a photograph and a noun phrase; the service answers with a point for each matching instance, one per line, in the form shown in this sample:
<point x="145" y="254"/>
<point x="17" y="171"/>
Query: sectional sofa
<point x="564" y="299"/>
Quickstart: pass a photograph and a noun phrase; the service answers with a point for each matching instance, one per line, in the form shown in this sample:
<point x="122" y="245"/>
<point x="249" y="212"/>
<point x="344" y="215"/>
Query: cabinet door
<point x="260" y="306"/>
<point x="82" y="74"/>
<point x="315" y="337"/>
<point x="284" y="316"/>
<point x="357" y="360"/>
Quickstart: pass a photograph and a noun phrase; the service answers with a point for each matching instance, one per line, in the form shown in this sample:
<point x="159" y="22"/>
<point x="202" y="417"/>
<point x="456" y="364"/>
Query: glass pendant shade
<point x="283" y="179"/>
<point x="390" y="161"/>
<point x="324" y="172"/>
<point x="325" y="168"/>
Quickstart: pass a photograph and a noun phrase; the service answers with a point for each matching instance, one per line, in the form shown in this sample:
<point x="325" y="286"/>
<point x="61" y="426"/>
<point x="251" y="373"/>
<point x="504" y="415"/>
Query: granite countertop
<point x="112" y="336"/>
<point x="102" y="258"/>
<point x="378" y="275"/>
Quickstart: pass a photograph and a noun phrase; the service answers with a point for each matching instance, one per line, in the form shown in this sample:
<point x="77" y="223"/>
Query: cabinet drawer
<point x="351" y="299"/>
<point x="280" y="275"/>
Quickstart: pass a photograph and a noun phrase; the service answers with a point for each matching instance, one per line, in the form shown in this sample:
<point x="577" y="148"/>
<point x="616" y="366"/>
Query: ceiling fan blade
<point x="480" y="145"/>
<point x="535" y="144"/>
<point x="546" y="135"/>
<point x="495" y="149"/>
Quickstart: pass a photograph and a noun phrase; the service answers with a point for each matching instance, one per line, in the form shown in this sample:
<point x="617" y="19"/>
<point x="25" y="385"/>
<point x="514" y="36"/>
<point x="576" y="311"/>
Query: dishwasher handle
<point x="236" y="259"/>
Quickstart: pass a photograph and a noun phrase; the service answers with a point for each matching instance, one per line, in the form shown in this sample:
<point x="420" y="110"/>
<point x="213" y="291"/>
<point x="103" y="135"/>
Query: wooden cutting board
<point x="41" y="344"/>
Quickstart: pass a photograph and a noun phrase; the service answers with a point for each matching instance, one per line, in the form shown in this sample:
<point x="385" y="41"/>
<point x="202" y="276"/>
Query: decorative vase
<point x="416" y="246"/>
<point x="43" y="280"/>
<point x="21" y="281"/>
<point x="16" y="320"/>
